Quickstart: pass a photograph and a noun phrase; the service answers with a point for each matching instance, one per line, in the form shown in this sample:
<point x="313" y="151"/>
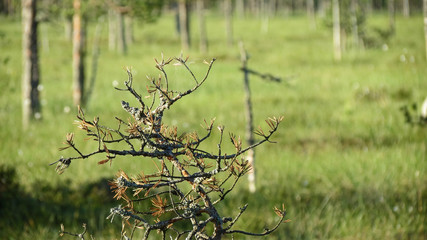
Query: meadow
<point x="346" y="165"/>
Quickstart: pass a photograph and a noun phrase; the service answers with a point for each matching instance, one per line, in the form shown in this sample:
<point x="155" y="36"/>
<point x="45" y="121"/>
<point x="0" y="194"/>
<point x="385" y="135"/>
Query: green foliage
<point x="345" y="15"/>
<point x="146" y="11"/>
<point x="54" y="10"/>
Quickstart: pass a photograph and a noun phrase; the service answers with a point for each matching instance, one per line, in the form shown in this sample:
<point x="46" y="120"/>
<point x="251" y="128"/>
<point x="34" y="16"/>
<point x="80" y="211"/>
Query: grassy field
<point x="345" y="164"/>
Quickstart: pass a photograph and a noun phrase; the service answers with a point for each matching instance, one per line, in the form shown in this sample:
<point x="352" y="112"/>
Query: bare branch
<point x="78" y="235"/>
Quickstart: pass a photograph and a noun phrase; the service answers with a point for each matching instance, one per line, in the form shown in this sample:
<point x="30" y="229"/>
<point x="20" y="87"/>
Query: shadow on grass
<point x="316" y="212"/>
<point x="46" y="207"/>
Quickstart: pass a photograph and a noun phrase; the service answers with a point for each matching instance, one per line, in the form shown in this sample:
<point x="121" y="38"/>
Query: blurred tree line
<point x="13" y="7"/>
<point x="346" y="18"/>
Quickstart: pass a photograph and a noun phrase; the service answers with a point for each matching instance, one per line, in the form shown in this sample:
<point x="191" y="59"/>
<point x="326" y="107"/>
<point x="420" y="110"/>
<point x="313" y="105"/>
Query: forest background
<point x="347" y="163"/>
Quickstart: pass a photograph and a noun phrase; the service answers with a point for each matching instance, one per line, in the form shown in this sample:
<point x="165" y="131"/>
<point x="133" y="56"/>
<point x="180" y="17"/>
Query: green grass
<point x="345" y="164"/>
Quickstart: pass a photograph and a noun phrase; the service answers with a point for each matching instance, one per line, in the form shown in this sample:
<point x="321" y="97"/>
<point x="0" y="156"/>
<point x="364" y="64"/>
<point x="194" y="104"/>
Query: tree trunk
<point x="78" y="53"/>
<point x="354" y="23"/>
<point x="240" y="8"/>
<point x="121" y="37"/>
<point x="274" y="7"/>
<point x="31" y="108"/>
<point x="176" y="18"/>
<point x="254" y="7"/>
<point x="311" y="14"/>
<point x="202" y="26"/>
<point x="425" y="23"/>
<point x="249" y="118"/>
<point x="184" y="30"/>
<point x="391" y="13"/>
<point x="336" y="29"/>
<point x="228" y="12"/>
<point x="68" y="28"/>
<point x="322" y="6"/>
<point x="95" y="56"/>
<point x="299" y="5"/>
<point x="129" y="30"/>
<point x="369" y="6"/>
<point x="265" y="13"/>
<point x="112" y="29"/>
<point x="405" y="8"/>
<point x="7" y="7"/>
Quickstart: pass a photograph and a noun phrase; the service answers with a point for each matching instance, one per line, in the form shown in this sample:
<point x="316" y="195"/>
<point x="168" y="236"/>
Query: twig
<point x="79" y="235"/>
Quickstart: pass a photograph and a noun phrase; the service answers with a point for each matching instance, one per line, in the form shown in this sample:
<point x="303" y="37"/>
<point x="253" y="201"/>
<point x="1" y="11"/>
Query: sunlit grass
<point x="345" y="163"/>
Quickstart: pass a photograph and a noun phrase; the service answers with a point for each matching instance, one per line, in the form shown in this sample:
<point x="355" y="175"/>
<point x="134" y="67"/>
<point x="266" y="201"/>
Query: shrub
<point x="189" y="183"/>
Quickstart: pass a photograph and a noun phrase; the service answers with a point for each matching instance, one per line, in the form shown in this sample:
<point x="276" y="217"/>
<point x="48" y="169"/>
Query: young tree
<point x="184" y="24"/>
<point x="121" y="30"/>
<point x="240" y="8"/>
<point x="117" y="12"/>
<point x="405" y="8"/>
<point x="228" y="12"/>
<point x="112" y="29"/>
<point x="129" y="29"/>
<point x="189" y="182"/>
<point x="311" y="13"/>
<point x="244" y="58"/>
<point x="200" y="5"/>
<point x="249" y="117"/>
<point x="121" y="16"/>
<point x="391" y="14"/>
<point x="79" y="32"/>
<point x="336" y="29"/>
<point x="94" y="62"/>
<point x="267" y="11"/>
<point x="31" y="108"/>
<point x="10" y="7"/>
<point x="322" y="5"/>
<point x="354" y="23"/>
<point x="348" y="25"/>
<point x="119" y="35"/>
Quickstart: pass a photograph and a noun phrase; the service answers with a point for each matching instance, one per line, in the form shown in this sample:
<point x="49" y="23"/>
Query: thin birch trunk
<point x="354" y="23"/>
<point x="184" y="25"/>
<point x="228" y="12"/>
<point x="176" y="18"/>
<point x="78" y="54"/>
<point x="249" y="118"/>
<point x="369" y="6"/>
<point x="129" y="30"/>
<point x="31" y="108"/>
<point x="240" y="8"/>
<point x="336" y="30"/>
<point x="95" y="57"/>
<point x="405" y="8"/>
<point x="121" y="37"/>
<point x="112" y="29"/>
<point x="322" y="6"/>
<point x="311" y="14"/>
<point x="391" y="13"/>
<point x="202" y="26"/>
